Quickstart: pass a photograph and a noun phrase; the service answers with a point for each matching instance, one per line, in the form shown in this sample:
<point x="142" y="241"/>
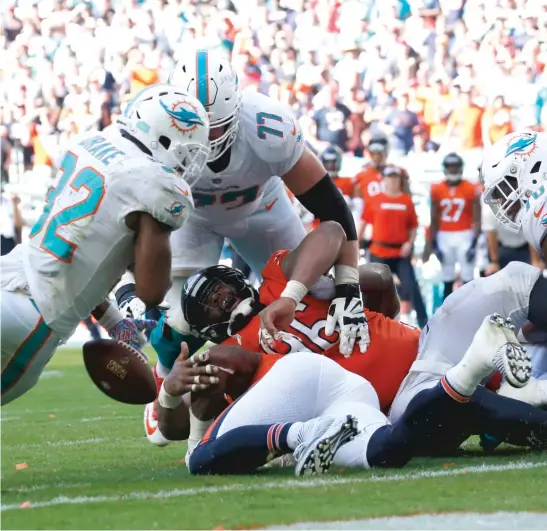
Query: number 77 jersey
<point x="81" y="243"/>
<point x="268" y="144"/>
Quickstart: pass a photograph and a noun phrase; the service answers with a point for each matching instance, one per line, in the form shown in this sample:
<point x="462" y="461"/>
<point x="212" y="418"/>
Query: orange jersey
<point x="392" y="219"/>
<point x="455" y="205"/>
<point x="370" y="182"/>
<point x="393" y="346"/>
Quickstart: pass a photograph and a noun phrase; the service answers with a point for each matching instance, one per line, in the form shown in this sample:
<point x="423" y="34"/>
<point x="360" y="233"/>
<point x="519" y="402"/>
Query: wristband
<point x="110" y="318"/>
<point x="166" y="400"/>
<point x="344" y="274"/>
<point x="295" y="290"/>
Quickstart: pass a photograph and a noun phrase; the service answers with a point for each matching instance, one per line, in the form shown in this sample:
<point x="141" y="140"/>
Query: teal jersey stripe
<point x="24" y="355"/>
<point x="202" y="77"/>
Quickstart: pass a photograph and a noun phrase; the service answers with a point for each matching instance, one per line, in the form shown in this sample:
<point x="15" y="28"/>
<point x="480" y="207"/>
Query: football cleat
<point x="511" y="359"/>
<point x="320" y="439"/>
<point x="151" y="429"/>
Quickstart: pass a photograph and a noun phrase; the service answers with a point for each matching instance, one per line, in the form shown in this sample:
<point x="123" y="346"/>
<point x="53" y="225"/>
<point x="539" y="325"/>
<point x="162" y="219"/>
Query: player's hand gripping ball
<point x="120" y="371"/>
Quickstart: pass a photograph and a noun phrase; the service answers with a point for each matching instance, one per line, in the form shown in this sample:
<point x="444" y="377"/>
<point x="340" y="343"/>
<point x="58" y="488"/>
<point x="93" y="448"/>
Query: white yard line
<point x="73" y="442"/>
<point x="68" y="422"/>
<point x="33" y="488"/>
<point x="326" y="481"/>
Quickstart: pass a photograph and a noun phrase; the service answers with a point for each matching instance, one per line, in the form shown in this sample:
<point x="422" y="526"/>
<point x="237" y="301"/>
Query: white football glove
<point x="134" y="308"/>
<point x="346" y="313"/>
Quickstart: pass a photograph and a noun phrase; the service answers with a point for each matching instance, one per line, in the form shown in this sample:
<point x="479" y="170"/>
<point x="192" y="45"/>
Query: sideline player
<point x="256" y="148"/>
<point x="117" y="199"/>
<point x="455" y="222"/>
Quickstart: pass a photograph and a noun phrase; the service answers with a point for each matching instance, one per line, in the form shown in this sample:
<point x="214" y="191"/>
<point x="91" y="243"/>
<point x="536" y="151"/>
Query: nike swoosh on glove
<point x="130" y="331"/>
<point x="346" y="313"/>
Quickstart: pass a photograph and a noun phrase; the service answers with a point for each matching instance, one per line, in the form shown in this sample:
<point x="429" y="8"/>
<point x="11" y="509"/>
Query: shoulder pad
<point x="148" y="186"/>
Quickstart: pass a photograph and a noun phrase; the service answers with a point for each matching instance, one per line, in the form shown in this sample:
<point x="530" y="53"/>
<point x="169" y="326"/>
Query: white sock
<point x="293" y="435"/>
<point x="461" y="381"/>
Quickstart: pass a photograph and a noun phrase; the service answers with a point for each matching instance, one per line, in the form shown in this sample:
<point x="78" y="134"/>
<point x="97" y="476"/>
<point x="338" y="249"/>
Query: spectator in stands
<point x="496" y="121"/>
<point x="401" y="125"/>
<point x="394" y="223"/>
<point x="332" y="123"/>
<point x="464" y="127"/>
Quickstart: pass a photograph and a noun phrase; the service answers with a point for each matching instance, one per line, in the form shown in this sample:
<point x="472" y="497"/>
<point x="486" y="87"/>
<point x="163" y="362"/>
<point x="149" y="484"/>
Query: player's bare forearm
<point x="349" y="254"/>
<point x="544" y="250"/>
<point x="316" y="254"/>
<point x="174" y="424"/>
<point x="152" y="260"/>
<point x="493" y="245"/>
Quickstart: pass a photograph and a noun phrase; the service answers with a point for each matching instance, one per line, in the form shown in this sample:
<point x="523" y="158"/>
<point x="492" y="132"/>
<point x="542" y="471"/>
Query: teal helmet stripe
<point x="202" y="75"/>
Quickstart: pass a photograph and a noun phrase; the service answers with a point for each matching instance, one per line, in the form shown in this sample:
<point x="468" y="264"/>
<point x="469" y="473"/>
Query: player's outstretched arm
<point x="152" y="258"/>
<point x="311" y="184"/>
<point x="303" y="268"/>
<point x="315" y="255"/>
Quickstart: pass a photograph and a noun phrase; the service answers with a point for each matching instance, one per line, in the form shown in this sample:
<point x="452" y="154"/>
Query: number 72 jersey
<point x="81" y="244"/>
<point x="455" y="205"/>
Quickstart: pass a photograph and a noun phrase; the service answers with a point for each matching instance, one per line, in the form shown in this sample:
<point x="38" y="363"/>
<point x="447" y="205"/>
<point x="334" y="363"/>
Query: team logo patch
<point x="522" y="145"/>
<point x="184" y="116"/>
<point x="544" y="221"/>
<point x="176" y="208"/>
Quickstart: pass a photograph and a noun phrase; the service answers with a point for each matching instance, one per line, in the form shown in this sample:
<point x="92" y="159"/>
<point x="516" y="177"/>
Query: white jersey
<point x="534" y="219"/>
<point x="81" y="245"/>
<point x="268" y="144"/>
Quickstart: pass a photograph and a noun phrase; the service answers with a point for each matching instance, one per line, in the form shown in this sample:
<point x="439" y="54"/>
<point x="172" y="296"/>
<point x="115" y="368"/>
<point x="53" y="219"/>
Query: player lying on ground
<point x="307" y="404"/>
<point x="231" y="313"/>
<point x="117" y="199"/>
<point x="212" y="299"/>
<point x="257" y="149"/>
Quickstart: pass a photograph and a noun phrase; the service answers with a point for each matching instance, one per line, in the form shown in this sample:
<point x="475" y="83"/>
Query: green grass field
<point x="74" y="459"/>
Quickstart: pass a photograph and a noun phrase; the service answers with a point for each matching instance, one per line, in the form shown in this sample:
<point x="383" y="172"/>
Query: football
<point x="120" y="371"/>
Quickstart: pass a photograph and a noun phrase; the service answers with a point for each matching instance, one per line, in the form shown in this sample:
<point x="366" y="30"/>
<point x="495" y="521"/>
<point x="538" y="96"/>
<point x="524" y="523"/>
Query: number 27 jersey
<point x="455" y="205"/>
<point x="81" y="244"/>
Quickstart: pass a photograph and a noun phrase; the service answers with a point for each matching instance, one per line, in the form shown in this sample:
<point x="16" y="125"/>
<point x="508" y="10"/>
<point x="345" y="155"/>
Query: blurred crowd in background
<point x="432" y="76"/>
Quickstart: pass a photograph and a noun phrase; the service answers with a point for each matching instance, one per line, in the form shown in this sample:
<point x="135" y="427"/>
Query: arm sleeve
<point x="327" y="203"/>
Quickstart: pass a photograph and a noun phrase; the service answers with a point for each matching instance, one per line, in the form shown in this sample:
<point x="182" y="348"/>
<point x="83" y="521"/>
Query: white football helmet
<point x="512" y="169"/>
<point x="211" y="78"/>
<point x="172" y="125"/>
